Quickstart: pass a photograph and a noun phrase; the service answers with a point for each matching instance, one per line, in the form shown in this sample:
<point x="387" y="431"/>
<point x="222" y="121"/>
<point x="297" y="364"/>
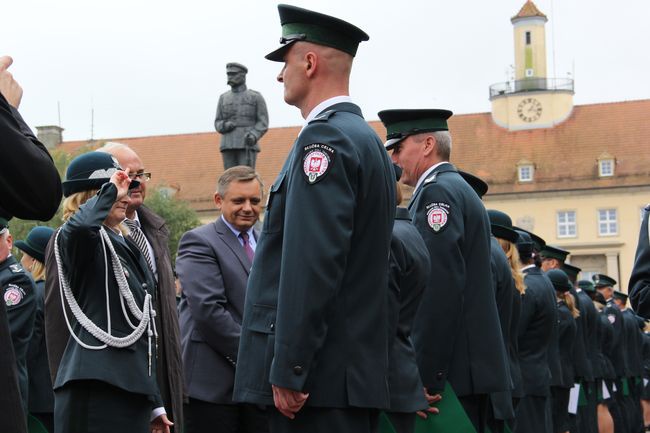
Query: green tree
<point x="179" y="216"/>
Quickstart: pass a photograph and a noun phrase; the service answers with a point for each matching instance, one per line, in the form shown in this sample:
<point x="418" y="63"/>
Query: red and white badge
<point x="437" y="215"/>
<point x="316" y="161"/>
<point x="13" y="295"/>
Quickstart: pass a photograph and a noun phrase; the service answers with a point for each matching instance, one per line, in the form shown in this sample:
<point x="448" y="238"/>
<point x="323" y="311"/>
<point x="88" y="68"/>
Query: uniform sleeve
<point x="30" y="186"/>
<point x="318" y="227"/>
<point x="640" y="279"/>
<point x="21" y="309"/>
<point x="262" y="118"/>
<point x="219" y="120"/>
<point x="439" y="219"/>
<point x="199" y="271"/>
<point x="80" y="235"/>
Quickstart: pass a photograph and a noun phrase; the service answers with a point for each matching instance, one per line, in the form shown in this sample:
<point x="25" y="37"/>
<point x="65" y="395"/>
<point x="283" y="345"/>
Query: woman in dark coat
<point x="567" y="328"/>
<point x="40" y="396"/>
<point x="106" y="381"/>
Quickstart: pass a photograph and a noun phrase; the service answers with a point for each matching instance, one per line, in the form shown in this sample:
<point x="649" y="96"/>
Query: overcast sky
<point x="158" y="67"/>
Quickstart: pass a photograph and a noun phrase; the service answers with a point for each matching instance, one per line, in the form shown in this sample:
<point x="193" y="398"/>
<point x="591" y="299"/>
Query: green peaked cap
<point x="402" y="123"/>
<point x="300" y="24"/>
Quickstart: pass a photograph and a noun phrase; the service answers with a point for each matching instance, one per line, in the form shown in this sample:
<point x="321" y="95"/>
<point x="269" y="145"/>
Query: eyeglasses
<point x="142" y="177"/>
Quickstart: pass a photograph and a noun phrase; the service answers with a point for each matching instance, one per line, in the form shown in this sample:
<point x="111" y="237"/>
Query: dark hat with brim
<point x="4" y="224"/>
<point x="549" y="252"/>
<point x="501" y="226"/>
<point x="90" y="171"/>
<point x="300" y="24"/>
<point x="525" y="245"/>
<point x="559" y="279"/>
<point x="620" y="296"/>
<point x="478" y="185"/>
<point x="402" y="123"/>
<point x="602" y="280"/>
<point x="538" y="242"/>
<point x="587" y="286"/>
<point x="571" y="271"/>
<point x="35" y="242"/>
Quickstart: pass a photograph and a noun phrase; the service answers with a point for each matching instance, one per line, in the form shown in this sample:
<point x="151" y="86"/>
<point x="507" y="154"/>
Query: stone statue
<point x="241" y="120"/>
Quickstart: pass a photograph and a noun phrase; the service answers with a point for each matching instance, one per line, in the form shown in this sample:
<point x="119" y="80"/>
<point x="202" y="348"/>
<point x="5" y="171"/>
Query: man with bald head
<point x="314" y="340"/>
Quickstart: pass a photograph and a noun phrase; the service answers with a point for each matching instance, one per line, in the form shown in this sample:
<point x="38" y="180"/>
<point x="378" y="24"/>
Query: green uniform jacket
<point x="639" y="286"/>
<point x="567" y="335"/>
<point x="409" y="272"/>
<point x="315" y="310"/>
<point x="41" y="396"/>
<point x="18" y="290"/>
<point x="456" y="333"/>
<point x="84" y="264"/>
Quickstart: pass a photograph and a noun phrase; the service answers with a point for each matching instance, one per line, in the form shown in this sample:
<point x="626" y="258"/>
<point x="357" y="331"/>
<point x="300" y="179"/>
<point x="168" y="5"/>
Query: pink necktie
<point x="247" y="246"/>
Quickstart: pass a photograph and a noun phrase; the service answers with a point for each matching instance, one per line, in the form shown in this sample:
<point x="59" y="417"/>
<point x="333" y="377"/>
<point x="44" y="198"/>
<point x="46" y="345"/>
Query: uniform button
<point x="297" y="370"/>
<point x="272" y="326"/>
<point x="439" y="375"/>
<point x="144" y="286"/>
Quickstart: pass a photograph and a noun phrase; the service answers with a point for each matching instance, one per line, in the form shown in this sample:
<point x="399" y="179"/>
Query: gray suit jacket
<point x="213" y="269"/>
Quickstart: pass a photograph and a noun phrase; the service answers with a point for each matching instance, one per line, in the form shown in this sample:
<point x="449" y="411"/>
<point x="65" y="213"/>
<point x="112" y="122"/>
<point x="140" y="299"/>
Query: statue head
<point x="236" y="73"/>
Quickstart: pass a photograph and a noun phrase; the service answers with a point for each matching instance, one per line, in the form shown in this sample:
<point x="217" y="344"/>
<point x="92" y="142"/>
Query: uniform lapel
<point x="232" y="242"/>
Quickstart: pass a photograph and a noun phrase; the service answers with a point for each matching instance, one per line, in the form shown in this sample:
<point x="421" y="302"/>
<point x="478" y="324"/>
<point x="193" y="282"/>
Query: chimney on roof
<point x="51" y="135"/>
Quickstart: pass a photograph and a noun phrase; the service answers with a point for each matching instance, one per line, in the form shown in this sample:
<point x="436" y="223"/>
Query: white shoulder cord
<point x="144" y="315"/>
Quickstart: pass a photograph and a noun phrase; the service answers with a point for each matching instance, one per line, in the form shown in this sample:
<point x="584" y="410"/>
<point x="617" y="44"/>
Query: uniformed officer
<point x="18" y="294"/>
<point x="639" y="286"/>
<point x="408" y="275"/>
<point x="41" y="396"/>
<point x="314" y="338"/>
<point x="605" y="286"/>
<point x="508" y="297"/>
<point x="456" y="333"/>
<point x="536" y="329"/>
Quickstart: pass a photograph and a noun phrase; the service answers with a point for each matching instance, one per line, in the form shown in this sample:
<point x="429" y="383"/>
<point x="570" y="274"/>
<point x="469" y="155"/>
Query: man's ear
<point x="218" y="200"/>
<point x="430" y="146"/>
<point x="311" y="63"/>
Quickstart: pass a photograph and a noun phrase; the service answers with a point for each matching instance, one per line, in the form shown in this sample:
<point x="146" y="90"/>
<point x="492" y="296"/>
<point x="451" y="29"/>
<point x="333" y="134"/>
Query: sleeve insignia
<point x="438" y="215"/>
<point x="316" y="161"/>
<point x="16" y="269"/>
<point x="13" y="295"/>
<point x="611" y="318"/>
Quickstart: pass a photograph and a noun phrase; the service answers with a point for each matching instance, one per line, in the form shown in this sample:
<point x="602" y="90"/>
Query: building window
<point x="527" y="38"/>
<point x="607" y="223"/>
<point x="606" y="167"/>
<point x="566" y="224"/>
<point x="526" y="173"/>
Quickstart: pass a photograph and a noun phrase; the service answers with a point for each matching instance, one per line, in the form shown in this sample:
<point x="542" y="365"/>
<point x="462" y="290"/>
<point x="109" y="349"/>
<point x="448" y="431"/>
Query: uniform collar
<point x="428" y="172"/>
<point x="325" y="105"/>
<point x="402" y="213"/>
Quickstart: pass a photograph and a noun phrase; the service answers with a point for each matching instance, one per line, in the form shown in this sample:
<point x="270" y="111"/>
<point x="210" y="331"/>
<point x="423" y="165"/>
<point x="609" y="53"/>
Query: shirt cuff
<point x="157" y="412"/>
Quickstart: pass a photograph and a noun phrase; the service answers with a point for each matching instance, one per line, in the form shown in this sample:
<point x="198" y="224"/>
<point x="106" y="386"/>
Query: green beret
<point x="559" y="279"/>
<point x="602" y="280"/>
<point x="549" y="252"/>
<point x="402" y="123"/>
<point x="300" y="24"/>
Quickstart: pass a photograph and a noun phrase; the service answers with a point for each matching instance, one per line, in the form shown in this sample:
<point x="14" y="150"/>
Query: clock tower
<point x="531" y="100"/>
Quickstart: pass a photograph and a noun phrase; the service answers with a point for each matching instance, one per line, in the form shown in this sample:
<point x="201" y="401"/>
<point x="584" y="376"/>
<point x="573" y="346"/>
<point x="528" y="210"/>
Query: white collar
<point x="527" y="267"/>
<point x="250" y="231"/>
<point x="427" y="172"/>
<point x="324" y="105"/>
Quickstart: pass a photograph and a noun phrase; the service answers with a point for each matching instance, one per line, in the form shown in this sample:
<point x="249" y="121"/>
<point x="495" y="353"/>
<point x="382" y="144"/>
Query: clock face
<point x="529" y="110"/>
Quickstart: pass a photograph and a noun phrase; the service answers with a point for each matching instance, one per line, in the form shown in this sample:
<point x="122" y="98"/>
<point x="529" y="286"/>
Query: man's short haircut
<point x="443" y="142"/>
<point x="239" y="173"/>
<point x="112" y="146"/>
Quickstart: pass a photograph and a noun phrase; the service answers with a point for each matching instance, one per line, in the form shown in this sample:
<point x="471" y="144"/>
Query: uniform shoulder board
<point x="16" y="268"/>
<point x="431" y="179"/>
<point x="647" y="207"/>
<point x="323" y="116"/>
